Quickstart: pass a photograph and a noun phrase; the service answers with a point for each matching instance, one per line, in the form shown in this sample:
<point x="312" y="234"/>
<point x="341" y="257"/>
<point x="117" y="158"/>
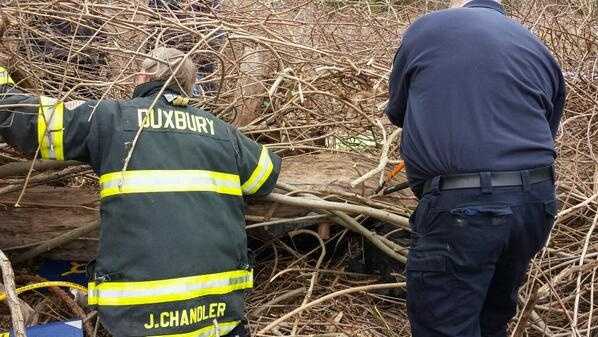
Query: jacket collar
<point x="490" y="4"/>
<point x="152" y="88"/>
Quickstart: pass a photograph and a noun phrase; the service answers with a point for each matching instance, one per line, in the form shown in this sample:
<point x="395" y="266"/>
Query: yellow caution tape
<point x="45" y="285"/>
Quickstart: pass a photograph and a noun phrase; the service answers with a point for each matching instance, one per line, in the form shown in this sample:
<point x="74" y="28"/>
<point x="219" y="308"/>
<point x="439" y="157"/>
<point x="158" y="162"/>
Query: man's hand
<point x="5" y="78"/>
<point x="19" y="77"/>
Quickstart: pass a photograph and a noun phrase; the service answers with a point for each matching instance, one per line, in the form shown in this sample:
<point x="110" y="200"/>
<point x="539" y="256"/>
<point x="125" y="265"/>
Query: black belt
<point x="496" y="179"/>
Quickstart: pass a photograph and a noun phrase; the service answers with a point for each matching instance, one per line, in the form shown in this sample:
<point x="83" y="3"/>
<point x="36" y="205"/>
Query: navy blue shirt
<point x="474" y="91"/>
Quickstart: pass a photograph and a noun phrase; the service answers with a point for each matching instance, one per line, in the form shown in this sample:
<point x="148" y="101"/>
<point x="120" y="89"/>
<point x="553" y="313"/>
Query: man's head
<point x="461" y="3"/>
<point x="161" y="63"/>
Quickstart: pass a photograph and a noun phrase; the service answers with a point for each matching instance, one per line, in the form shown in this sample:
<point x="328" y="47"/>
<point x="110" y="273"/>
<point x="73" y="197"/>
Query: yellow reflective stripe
<point x="50" y="128"/>
<point x="260" y="174"/>
<point x="153" y="181"/>
<point x="181" y="101"/>
<point x="177" y="99"/>
<point x="221" y="329"/>
<point x="92" y="298"/>
<point x="5" y="79"/>
<point x="169" y="290"/>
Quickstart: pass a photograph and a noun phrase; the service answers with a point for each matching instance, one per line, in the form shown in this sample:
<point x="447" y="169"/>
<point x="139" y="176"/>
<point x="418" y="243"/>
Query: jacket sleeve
<point x="558" y="105"/>
<point x="28" y="121"/>
<point x="258" y="167"/>
<point x="398" y="93"/>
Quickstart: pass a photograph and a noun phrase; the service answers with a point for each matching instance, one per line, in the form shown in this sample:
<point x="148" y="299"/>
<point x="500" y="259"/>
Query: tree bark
<point x="21" y="168"/>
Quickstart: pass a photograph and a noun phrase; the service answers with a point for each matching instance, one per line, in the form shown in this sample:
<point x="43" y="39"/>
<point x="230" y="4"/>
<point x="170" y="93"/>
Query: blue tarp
<point x="58" y="329"/>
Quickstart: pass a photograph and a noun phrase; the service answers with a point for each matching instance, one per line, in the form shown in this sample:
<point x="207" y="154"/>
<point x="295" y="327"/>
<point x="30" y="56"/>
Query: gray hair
<point x="461" y="3"/>
<point x="162" y="63"/>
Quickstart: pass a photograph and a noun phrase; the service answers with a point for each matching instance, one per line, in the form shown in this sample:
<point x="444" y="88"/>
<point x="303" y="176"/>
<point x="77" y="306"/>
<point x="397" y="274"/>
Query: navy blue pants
<point x="470" y="253"/>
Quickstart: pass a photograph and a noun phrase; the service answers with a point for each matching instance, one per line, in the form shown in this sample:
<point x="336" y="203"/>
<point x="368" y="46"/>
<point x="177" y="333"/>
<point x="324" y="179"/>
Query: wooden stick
<point x="16" y="314"/>
<point x="398" y="221"/>
<point x="288" y="295"/>
<point x="374" y="238"/>
<point x="30" y="316"/>
<point x="383" y="160"/>
<point x="328" y="297"/>
<point x="43" y="177"/>
<point x="349" y="222"/>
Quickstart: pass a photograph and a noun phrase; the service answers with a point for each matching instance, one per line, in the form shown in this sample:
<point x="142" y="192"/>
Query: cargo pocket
<point x="429" y="287"/>
<point x="478" y="234"/>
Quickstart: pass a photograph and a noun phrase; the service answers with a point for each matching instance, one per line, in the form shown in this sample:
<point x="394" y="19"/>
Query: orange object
<point x="396" y="170"/>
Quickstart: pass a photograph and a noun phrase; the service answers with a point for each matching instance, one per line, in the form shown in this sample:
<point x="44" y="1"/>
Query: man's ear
<point x="457" y="3"/>
<point x="141" y="78"/>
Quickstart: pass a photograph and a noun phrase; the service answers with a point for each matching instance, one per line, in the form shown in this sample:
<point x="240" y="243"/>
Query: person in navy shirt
<point x="479" y="99"/>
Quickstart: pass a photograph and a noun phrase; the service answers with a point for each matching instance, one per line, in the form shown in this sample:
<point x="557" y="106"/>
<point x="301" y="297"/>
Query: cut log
<point x="48" y="212"/>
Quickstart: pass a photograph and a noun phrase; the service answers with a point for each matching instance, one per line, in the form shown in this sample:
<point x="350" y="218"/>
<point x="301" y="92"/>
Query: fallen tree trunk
<point x="50" y="220"/>
<point x="58" y="241"/>
<point x="22" y="167"/>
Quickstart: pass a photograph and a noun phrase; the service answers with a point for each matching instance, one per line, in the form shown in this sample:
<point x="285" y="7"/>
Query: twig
<point x="300" y="219"/>
<point x="44" y="177"/>
<point x="383" y="160"/>
<point x="18" y="322"/>
<point x="350" y="223"/>
<point x="328" y="297"/>
<point x="385" y="216"/>
<point x="286" y="296"/>
<point x="315" y="274"/>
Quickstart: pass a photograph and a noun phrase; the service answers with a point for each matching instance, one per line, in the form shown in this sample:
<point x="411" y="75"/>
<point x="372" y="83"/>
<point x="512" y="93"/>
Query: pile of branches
<point x="560" y="295"/>
<point x="309" y="78"/>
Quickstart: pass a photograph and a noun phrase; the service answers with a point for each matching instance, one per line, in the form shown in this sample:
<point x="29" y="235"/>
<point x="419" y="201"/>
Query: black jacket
<point x="173" y="256"/>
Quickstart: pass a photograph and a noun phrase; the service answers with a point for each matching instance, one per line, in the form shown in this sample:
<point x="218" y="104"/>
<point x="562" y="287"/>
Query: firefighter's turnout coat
<point x="173" y="249"/>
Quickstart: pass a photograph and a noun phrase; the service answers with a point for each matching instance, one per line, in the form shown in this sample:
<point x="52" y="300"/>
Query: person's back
<point x="173" y="251"/>
<point x="481" y="88"/>
<point x="194" y="228"/>
<point x="479" y="99"/>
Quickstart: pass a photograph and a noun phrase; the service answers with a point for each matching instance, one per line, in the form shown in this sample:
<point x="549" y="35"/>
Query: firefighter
<point x="185" y="10"/>
<point x="173" y="255"/>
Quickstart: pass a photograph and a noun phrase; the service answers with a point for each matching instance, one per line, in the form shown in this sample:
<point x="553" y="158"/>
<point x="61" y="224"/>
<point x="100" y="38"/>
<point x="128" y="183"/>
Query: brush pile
<point x="308" y="78"/>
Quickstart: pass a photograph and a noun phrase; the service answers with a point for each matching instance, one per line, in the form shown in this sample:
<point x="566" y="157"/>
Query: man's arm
<point x="558" y="105"/>
<point x="398" y="89"/>
<point x="258" y="167"/>
<point x="28" y="121"/>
